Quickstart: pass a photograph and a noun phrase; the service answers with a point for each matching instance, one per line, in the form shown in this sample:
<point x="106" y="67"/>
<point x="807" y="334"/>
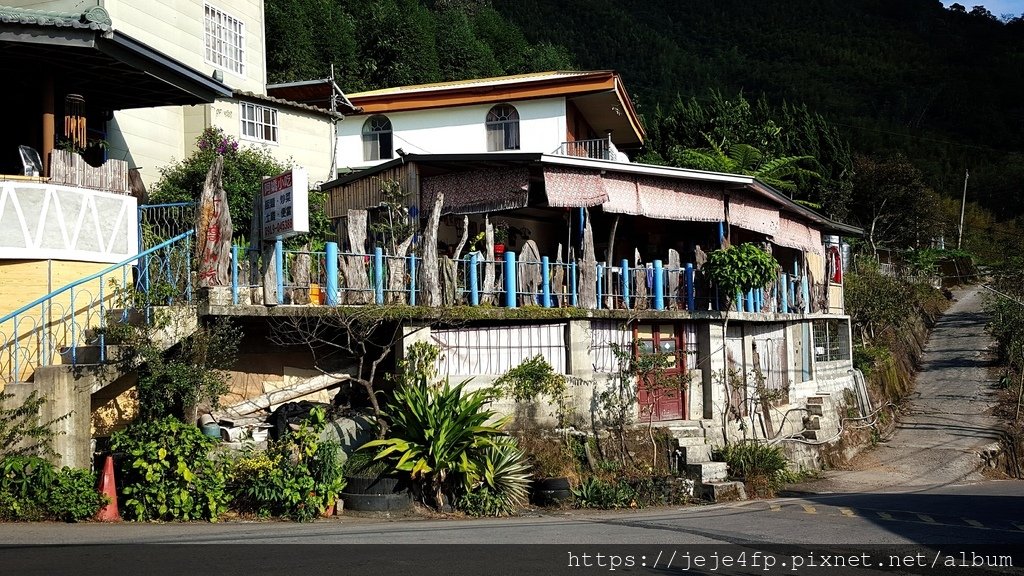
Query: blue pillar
<point x="624" y="269"/>
<point x="545" y="282"/>
<point x="750" y="300"/>
<point x="378" y="275"/>
<point x="806" y="291"/>
<point x="279" y="269"/>
<point x="784" y="293"/>
<point x="510" y="279"/>
<point x="331" y="255"/>
<point x="572" y="281"/>
<point x="600" y="285"/>
<point x="739" y="300"/>
<point x="234" y="275"/>
<point x="691" y="299"/>
<point x="412" y="280"/>
<point x="474" y="289"/>
<point x="721" y="234"/>
<point x="659" y="286"/>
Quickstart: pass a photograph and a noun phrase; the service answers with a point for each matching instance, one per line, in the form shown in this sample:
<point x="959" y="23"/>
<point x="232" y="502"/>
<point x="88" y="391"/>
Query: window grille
<point x="224" y="36"/>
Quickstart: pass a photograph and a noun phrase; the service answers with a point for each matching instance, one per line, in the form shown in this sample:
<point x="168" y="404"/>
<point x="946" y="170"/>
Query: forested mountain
<point x="943" y="88"/>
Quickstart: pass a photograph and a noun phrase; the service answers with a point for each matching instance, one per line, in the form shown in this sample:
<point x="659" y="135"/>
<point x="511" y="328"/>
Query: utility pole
<point x="963" y="204"/>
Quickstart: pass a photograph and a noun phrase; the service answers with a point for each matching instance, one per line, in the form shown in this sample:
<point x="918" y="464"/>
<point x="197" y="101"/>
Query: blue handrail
<point x="94" y="276"/>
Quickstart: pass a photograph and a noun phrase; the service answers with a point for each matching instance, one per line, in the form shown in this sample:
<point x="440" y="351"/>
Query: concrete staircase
<point x="817" y="424"/>
<point x="710" y="478"/>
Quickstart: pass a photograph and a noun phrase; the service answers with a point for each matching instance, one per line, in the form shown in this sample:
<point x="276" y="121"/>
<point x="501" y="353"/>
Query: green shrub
<point x="437" y="433"/>
<point x="762" y="465"/>
<point x="595" y="492"/>
<point x="503" y="481"/>
<point x="167" y="474"/>
<point x="298" y="477"/>
<point x="34" y="489"/>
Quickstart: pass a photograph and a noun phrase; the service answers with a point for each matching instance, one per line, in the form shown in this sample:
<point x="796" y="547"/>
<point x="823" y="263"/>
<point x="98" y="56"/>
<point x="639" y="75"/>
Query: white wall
<point x="175" y="27"/>
<point x="458" y="129"/>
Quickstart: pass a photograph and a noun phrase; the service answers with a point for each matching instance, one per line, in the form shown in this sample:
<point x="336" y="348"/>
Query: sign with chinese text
<point x="286" y="204"/>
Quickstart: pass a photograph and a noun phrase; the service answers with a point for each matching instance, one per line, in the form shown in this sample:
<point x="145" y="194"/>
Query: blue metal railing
<point x="54" y="326"/>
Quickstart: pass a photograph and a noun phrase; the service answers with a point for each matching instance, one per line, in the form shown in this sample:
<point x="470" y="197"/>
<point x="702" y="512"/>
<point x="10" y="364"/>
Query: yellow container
<point x="315" y="295"/>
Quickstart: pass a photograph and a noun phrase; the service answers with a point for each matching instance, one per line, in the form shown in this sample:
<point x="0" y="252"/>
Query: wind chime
<point x="74" y="120"/>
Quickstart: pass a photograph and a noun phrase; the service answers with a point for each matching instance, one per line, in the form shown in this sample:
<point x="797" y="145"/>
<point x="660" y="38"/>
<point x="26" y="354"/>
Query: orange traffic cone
<point x="108" y="513"/>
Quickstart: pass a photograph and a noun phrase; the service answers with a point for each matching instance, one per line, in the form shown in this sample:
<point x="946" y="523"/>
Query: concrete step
<point x="691" y="441"/>
<point x="815" y="409"/>
<point x="704" y="472"/>
<point x="812" y="423"/>
<point x="686" y="431"/>
<point x="697" y="454"/>
<point x="816" y="400"/>
<point x="726" y="491"/>
<point x="90" y="354"/>
<point x="810" y="434"/>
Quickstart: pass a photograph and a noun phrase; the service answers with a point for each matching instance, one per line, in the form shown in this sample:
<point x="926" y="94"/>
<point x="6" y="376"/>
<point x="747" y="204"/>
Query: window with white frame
<point x="831" y="340"/>
<point x="502" y="128"/>
<point x="258" y="122"/>
<point x="377" y="138"/>
<point x="224" y="36"/>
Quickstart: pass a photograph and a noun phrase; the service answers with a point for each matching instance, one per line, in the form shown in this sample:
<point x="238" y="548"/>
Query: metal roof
<point x="481" y="82"/>
<point x="241" y="94"/>
<point x="84" y="55"/>
<point x="483" y="160"/>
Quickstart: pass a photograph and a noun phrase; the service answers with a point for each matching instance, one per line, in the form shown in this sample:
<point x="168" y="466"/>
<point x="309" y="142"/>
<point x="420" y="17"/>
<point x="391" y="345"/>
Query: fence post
<point x="721" y="234"/>
<point x="545" y="282"/>
<point x="412" y="280"/>
<point x="234" y="275"/>
<point x="572" y="283"/>
<point x="784" y="292"/>
<point x="750" y="300"/>
<point x="624" y="268"/>
<point x="279" y="269"/>
<point x="691" y="297"/>
<point x="510" y="279"/>
<point x="659" y="286"/>
<point x="474" y="289"/>
<point x="103" y="324"/>
<point x="331" y="257"/>
<point x="806" y="291"/>
<point x="378" y="275"/>
<point x="600" y="284"/>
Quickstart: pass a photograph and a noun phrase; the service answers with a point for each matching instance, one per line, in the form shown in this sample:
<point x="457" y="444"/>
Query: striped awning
<point x="663" y="199"/>
<point x="570" y="188"/>
<point x="794" y="234"/>
<point x="753" y="215"/>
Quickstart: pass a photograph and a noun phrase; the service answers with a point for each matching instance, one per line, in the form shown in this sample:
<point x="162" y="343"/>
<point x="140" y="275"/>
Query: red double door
<point x="662" y="396"/>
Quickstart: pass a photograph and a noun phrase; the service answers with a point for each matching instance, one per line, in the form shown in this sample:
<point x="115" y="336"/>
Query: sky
<point x="996" y="7"/>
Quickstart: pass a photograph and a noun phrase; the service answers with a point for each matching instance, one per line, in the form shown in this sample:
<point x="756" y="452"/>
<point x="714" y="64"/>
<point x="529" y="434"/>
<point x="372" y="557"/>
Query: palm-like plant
<point x="436" y="435"/>
<point x="783" y="173"/>
<point x="505" y="472"/>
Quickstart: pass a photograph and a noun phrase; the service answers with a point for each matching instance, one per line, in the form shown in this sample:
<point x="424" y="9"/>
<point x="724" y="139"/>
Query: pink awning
<point x="478" y="191"/>
<point x="794" y="234"/>
<point x="571" y="188"/>
<point x="664" y="199"/>
<point x="753" y="215"/>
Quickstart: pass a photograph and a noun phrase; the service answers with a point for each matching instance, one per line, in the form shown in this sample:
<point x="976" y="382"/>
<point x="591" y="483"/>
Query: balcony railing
<point x="377" y="278"/>
<point x="600" y="149"/>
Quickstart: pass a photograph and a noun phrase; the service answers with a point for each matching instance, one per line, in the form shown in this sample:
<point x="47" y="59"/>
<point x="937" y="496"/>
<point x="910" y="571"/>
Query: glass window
<point x="377" y="138"/>
<point x="258" y="122"/>
<point x="224" y="37"/>
<point x="502" y="128"/>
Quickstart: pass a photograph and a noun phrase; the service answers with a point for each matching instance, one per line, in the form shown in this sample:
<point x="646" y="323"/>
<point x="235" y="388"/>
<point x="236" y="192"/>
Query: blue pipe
<point x="510" y="279"/>
<point x="331" y="257"/>
<point x="545" y="281"/>
<point x="412" y="280"/>
<point x="474" y="289"/>
<point x="378" y="275"/>
<point x="691" y="300"/>
<point x="234" y="274"/>
<point x="624" y="268"/>
<point x="572" y="281"/>
<point x="279" y="269"/>
<point x="600" y="285"/>
<point x="659" y="286"/>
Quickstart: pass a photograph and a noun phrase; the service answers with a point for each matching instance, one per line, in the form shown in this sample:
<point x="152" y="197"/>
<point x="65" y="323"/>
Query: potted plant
<point x="500" y="237"/>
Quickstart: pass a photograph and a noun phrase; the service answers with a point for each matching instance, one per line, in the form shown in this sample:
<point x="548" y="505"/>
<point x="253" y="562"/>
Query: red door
<point x="661" y="387"/>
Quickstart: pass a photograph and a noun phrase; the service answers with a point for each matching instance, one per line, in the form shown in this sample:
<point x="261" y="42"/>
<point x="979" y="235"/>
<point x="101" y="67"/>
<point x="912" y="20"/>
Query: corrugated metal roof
<point x="287" y="103"/>
<point x="480" y="82"/>
<point x="95" y="18"/>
